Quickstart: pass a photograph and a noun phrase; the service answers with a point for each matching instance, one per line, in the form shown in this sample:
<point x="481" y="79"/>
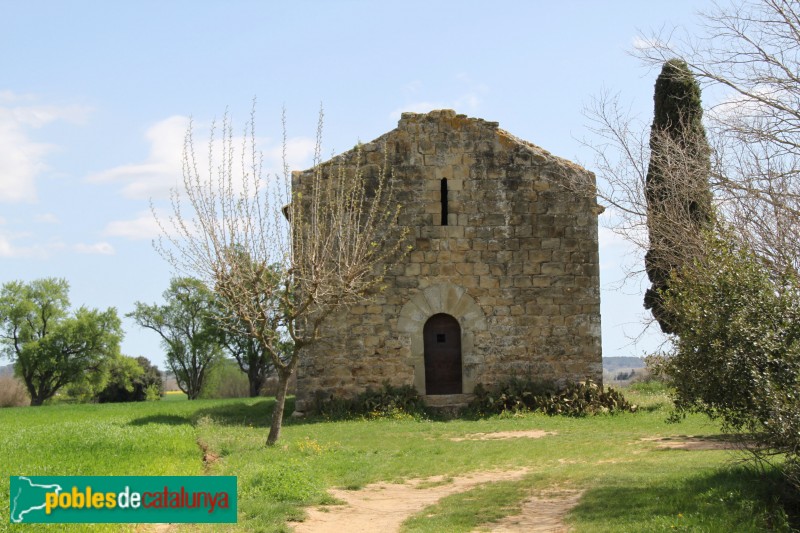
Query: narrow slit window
<point x="444" y="201"/>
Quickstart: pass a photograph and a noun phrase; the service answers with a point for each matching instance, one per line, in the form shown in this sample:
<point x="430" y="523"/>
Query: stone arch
<point x="450" y="299"/>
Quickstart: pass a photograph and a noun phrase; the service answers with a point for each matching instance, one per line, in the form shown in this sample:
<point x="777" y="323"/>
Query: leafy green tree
<point x="130" y="380"/>
<point x="676" y="186"/>
<point x="226" y="381"/>
<point x="123" y="372"/>
<point x="86" y="387"/>
<point x="50" y="346"/>
<point x="190" y="334"/>
<point x="737" y="351"/>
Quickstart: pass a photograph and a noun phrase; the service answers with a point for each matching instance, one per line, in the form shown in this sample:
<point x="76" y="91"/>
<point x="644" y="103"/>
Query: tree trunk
<point x="36" y="400"/>
<point x="280" y="401"/>
<point x="256" y="378"/>
<point x="255" y="385"/>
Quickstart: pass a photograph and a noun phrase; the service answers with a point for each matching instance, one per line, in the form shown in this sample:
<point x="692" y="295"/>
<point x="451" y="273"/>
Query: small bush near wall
<point x="386" y="402"/>
<point x="13" y="392"/>
<point x="576" y="399"/>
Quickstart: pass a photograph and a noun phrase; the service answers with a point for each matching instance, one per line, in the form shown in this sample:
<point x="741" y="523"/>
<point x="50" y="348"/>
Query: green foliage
<point x="677" y="190"/>
<point x="226" y="380"/>
<point x="737" y="357"/>
<point x="85" y="388"/>
<point x="677" y="98"/>
<point x="151" y="384"/>
<point x="388" y="401"/>
<point x="51" y="347"/>
<point x="132" y="380"/>
<point x="154" y="392"/>
<point x="576" y="399"/>
<point x="190" y="334"/>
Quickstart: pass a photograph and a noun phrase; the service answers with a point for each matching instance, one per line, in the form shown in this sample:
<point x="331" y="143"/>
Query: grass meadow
<point x="630" y="484"/>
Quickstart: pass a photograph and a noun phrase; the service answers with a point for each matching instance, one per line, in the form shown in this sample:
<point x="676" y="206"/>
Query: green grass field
<point x="630" y="484"/>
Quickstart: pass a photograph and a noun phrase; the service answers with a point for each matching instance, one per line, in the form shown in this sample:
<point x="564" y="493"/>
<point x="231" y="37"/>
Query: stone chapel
<point x="502" y="281"/>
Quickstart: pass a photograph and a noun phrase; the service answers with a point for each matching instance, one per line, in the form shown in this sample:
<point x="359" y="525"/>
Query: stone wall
<point x="516" y="265"/>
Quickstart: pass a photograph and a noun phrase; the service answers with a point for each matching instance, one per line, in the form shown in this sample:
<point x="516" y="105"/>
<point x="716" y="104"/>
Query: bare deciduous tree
<point x="748" y="58"/>
<point x="623" y="154"/>
<point x="329" y="241"/>
<point x="750" y="51"/>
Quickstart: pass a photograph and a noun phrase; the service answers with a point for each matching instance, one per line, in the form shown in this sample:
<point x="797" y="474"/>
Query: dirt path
<point x="543" y="513"/>
<point x="505" y="435"/>
<point x="384" y="506"/>
<point x="692" y="443"/>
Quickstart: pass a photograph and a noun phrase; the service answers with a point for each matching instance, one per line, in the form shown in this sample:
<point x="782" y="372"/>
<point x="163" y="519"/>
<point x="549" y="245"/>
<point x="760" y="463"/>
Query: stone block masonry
<point x="516" y="265"/>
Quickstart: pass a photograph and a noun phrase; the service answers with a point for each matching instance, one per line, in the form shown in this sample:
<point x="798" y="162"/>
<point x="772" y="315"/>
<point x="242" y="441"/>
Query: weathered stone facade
<point x="516" y="265"/>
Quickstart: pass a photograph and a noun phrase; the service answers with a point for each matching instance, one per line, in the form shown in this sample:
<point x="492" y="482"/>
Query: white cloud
<point x="468" y="102"/>
<point x="10" y="250"/>
<point x="645" y="43"/>
<point x="10" y="247"/>
<point x="161" y="171"/>
<point x="22" y="159"/>
<point x="6" y="249"/>
<point x="412" y="86"/>
<point x="144" y="226"/>
<point x="299" y="154"/>
<point x="98" y="248"/>
<point x="10" y="97"/>
<point x="46" y="218"/>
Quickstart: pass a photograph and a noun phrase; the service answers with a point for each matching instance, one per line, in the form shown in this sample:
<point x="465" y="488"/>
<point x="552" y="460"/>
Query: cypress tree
<point x="677" y="189"/>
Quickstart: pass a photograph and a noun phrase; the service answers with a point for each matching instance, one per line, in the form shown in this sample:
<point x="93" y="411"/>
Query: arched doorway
<point x="442" y="337"/>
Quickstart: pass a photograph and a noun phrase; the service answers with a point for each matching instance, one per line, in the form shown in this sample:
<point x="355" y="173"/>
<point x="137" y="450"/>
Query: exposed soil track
<point x="691" y="443"/>
<point x="384" y="506"/>
<point x="505" y="435"/>
<point x="542" y="513"/>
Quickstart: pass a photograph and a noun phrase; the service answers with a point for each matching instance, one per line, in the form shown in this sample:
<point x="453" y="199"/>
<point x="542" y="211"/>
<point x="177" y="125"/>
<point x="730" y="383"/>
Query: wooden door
<point x="442" y="336"/>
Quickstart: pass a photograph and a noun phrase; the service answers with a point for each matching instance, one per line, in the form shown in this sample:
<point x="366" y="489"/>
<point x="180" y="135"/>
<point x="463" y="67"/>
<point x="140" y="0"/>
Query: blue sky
<point x="95" y="98"/>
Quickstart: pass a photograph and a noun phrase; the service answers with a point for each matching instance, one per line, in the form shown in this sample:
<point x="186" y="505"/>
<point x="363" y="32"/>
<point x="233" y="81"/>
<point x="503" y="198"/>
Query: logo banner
<point x="122" y="499"/>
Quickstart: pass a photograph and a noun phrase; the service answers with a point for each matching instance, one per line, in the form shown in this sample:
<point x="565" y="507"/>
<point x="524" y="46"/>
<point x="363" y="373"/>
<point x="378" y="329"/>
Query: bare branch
<point x="281" y="275"/>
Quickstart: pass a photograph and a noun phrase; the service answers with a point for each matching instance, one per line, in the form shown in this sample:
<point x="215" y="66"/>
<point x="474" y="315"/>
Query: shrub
<point x="388" y="401"/>
<point x="575" y="399"/>
<point x="153" y="392"/>
<point x="13" y="392"/>
<point x="132" y="380"/>
<point x="737" y="355"/>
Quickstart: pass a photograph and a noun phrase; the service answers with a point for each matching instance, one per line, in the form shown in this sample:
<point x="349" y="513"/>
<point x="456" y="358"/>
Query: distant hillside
<point x="613" y="364"/>
<point x="7" y="370"/>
